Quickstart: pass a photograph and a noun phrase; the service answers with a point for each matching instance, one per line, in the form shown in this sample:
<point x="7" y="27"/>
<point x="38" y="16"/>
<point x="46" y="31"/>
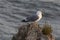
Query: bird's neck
<point x="40" y="16"/>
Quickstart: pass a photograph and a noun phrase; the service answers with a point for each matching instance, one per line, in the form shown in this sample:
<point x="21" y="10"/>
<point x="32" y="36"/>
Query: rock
<point x="31" y="32"/>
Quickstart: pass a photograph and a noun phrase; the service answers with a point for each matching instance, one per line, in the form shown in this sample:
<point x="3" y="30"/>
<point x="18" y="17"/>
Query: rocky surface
<point x="31" y="32"/>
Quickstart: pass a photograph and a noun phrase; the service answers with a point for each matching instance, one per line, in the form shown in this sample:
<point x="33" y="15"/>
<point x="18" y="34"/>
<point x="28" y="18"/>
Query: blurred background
<point x="13" y="11"/>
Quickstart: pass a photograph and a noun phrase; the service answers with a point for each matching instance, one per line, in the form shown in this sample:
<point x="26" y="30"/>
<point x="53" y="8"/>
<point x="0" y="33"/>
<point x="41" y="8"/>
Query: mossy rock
<point x="47" y="29"/>
<point x="33" y="31"/>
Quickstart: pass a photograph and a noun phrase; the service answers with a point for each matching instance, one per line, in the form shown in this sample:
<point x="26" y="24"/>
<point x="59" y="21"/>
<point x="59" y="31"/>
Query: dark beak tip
<point x="42" y="14"/>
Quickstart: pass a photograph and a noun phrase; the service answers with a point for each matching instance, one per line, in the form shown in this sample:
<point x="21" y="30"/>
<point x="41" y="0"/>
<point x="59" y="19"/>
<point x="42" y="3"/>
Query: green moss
<point x="47" y="29"/>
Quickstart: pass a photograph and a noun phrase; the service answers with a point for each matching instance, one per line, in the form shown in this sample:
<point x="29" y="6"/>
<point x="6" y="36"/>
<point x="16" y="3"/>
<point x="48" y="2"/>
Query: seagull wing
<point x="32" y="18"/>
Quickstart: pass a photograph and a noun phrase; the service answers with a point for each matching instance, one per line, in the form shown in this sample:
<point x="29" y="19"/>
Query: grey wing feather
<point x="32" y="18"/>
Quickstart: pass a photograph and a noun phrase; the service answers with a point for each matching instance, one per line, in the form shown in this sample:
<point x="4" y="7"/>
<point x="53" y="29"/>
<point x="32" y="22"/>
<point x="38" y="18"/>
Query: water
<point x="13" y="11"/>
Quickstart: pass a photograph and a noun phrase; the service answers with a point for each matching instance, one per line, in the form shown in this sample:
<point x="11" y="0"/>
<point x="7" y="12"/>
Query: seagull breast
<point x="39" y="18"/>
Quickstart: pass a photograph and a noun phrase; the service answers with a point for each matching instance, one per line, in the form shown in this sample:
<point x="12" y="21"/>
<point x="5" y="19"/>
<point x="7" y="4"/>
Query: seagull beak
<point x="42" y="14"/>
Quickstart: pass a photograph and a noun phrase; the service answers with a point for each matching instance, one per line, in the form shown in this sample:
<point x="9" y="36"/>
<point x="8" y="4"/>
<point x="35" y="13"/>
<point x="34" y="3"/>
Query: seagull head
<point x="39" y="13"/>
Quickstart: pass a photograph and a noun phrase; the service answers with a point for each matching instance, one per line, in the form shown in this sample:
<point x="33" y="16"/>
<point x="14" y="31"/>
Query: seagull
<point x="34" y="18"/>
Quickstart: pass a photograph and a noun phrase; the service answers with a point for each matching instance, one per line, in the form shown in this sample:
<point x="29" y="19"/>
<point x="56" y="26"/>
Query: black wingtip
<point x="23" y="21"/>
